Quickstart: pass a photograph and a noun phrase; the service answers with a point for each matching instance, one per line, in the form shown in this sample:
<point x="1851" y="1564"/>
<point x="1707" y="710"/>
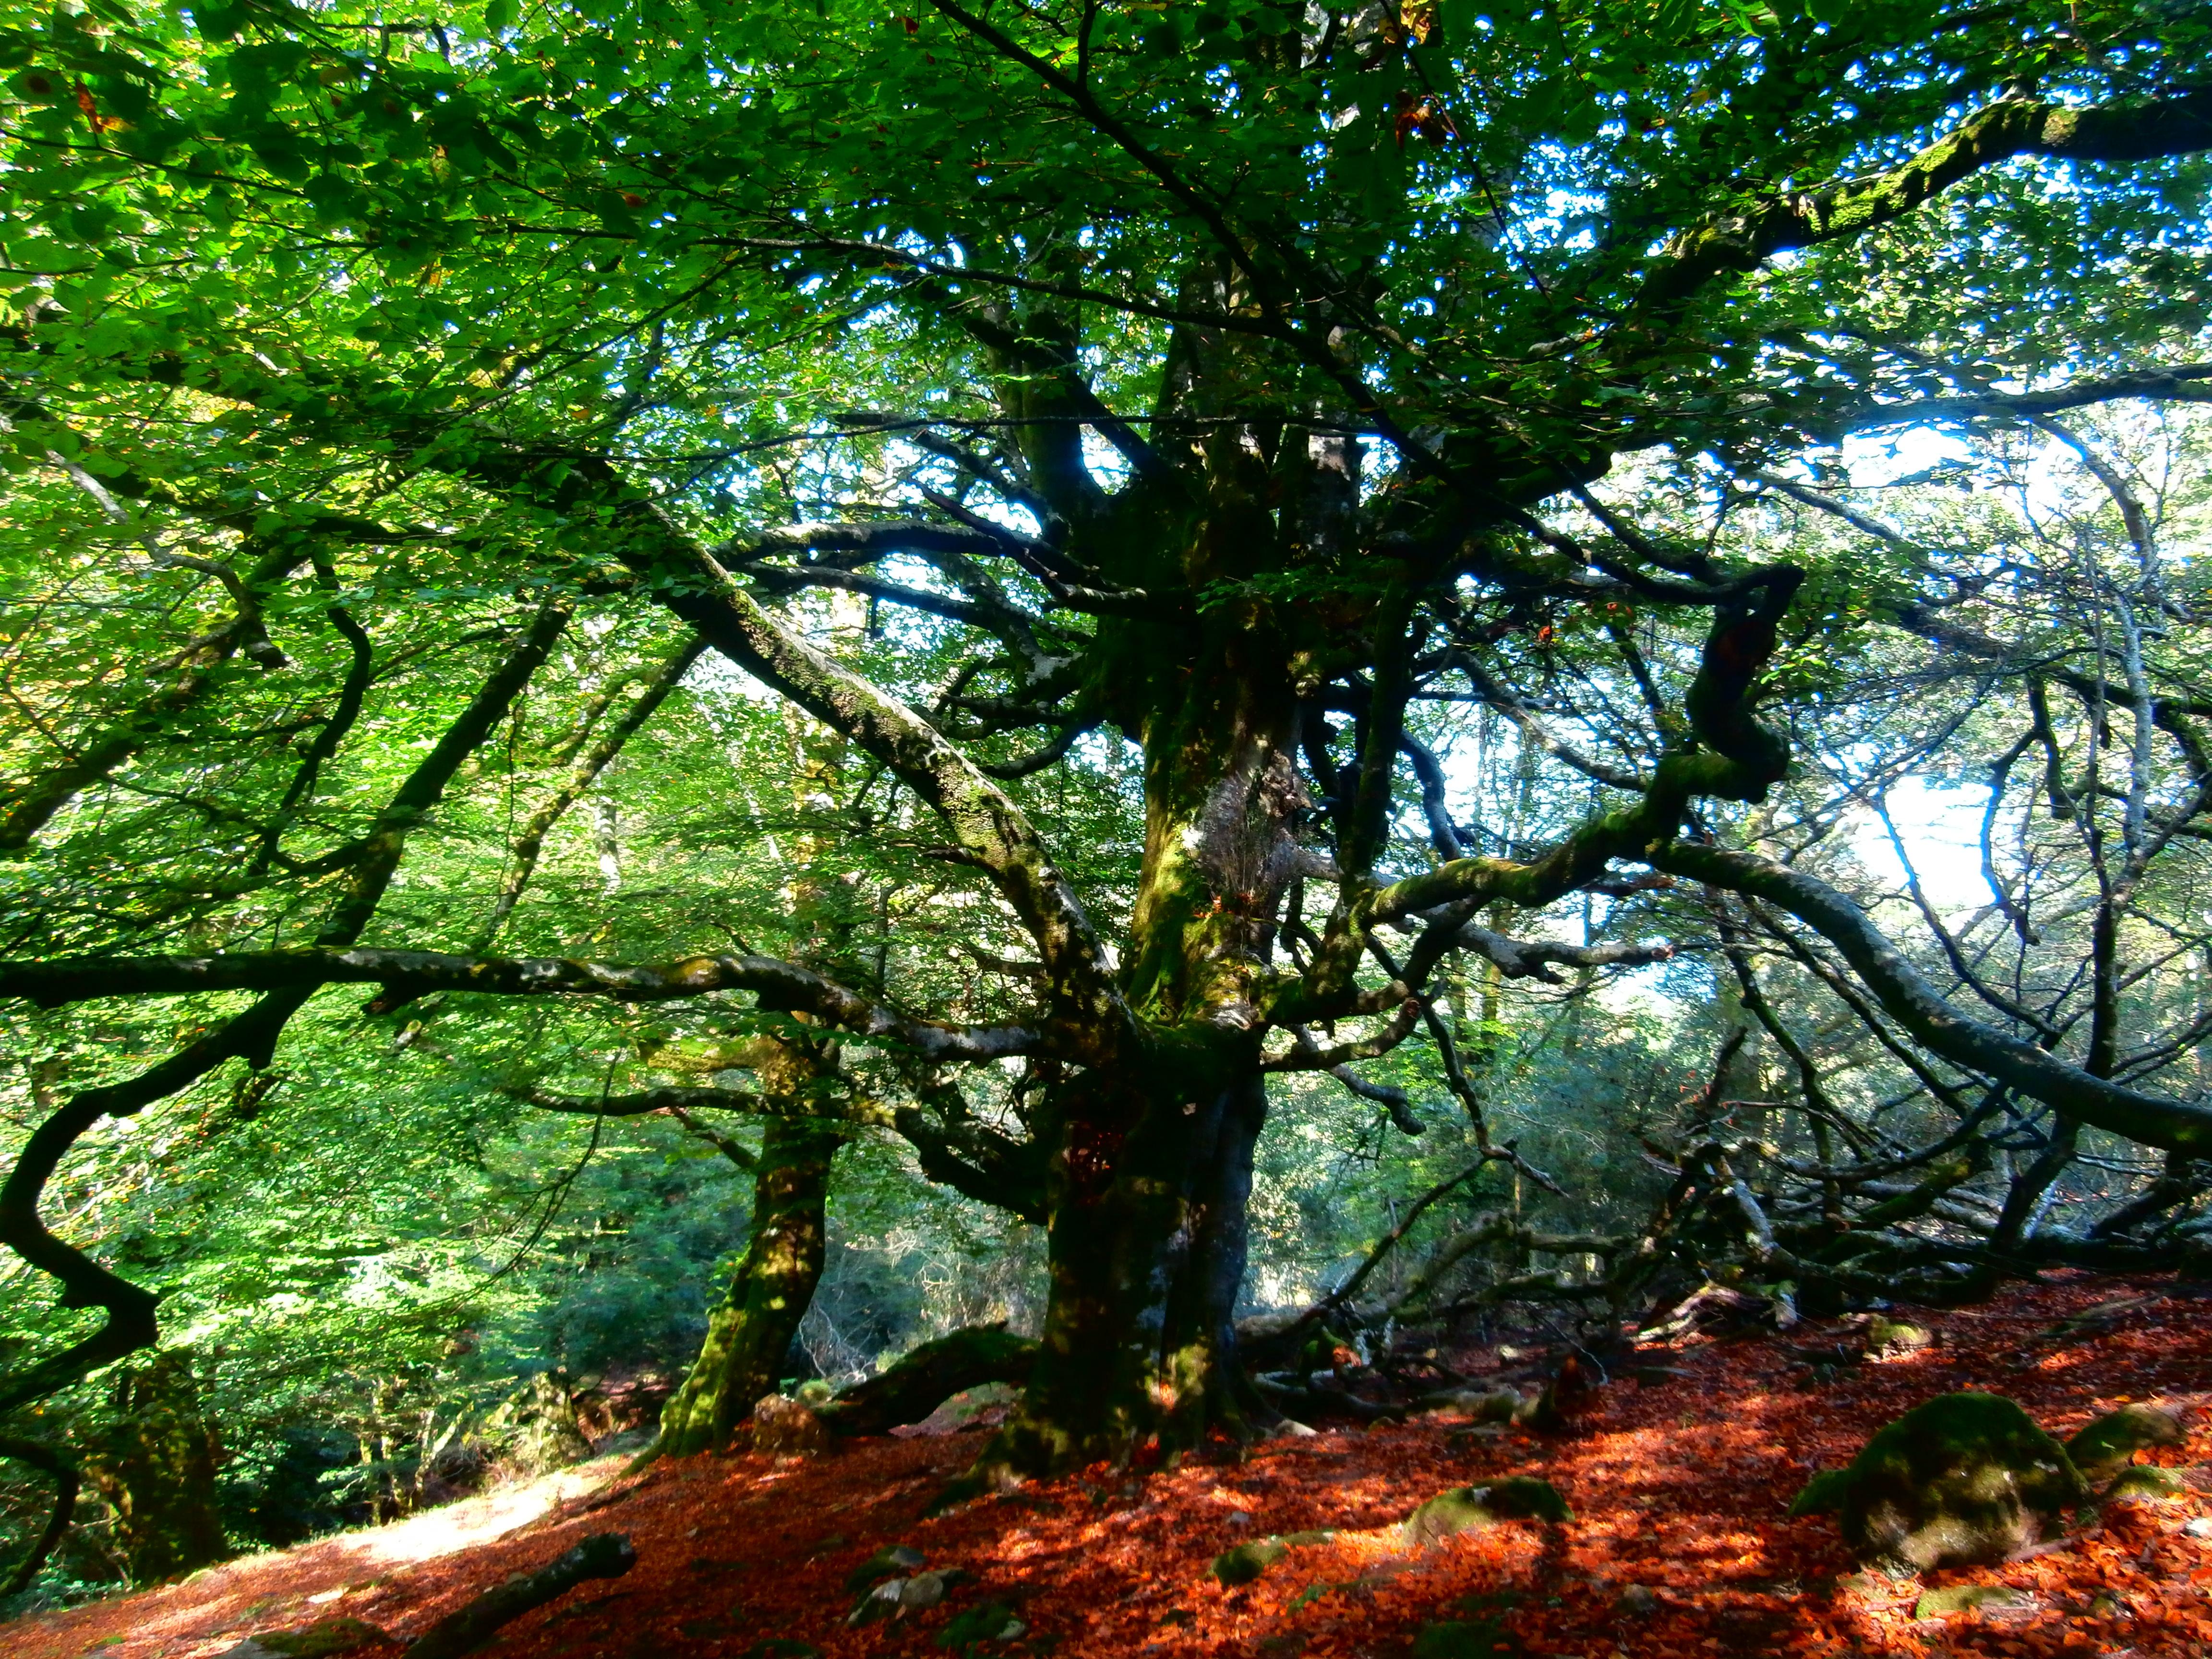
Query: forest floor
<point x="1680" y="1546"/>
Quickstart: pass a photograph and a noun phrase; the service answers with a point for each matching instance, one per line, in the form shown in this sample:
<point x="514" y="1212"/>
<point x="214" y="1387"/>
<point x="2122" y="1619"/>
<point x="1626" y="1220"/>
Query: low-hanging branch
<point x="644" y="1103"/>
<point x="782" y="987"/>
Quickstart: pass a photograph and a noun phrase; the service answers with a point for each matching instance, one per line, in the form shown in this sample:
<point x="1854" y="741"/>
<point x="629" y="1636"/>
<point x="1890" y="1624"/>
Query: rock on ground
<point x="1965" y="1479"/>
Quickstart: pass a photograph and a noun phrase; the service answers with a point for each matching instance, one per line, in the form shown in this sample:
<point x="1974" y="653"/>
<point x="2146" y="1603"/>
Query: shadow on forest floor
<point x="1679" y="1547"/>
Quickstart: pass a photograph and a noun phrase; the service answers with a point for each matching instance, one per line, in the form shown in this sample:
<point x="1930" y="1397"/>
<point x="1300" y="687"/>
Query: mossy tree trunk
<point x="1148" y="1229"/>
<point x="752" y="1328"/>
<point x="1148" y="1184"/>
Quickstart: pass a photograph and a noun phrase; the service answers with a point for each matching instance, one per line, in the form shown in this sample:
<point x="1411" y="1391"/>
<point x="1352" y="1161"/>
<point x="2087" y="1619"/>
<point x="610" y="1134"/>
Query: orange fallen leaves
<point x="1115" y="1569"/>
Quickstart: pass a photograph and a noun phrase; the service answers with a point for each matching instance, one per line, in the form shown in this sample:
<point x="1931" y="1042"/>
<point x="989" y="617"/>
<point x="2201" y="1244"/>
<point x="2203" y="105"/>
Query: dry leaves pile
<point x="1679" y="1545"/>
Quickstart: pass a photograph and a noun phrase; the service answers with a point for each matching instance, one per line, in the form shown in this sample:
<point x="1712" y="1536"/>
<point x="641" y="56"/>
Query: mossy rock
<point x="1887" y="1338"/>
<point x="1962" y="1481"/>
<point x="1483" y="1405"/>
<point x="1245" y="1563"/>
<point x="2145" y="1484"/>
<point x="1823" y="1494"/>
<point x="892" y="1561"/>
<point x="324" y="1639"/>
<point x="1476" y="1508"/>
<point x="2104" y="1448"/>
<point x="1969" y="1598"/>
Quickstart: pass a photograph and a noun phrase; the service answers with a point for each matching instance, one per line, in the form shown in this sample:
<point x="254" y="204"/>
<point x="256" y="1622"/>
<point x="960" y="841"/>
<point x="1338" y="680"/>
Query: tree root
<point x="602" y="1555"/>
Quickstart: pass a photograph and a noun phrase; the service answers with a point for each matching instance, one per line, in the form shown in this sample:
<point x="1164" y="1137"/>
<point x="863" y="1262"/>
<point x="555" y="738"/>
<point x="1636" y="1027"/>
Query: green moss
<point x="2104" y="1446"/>
<point x="1897" y="1336"/>
<point x="1965" y="1598"/>
<point x="2146" y="1482"/>
<point x="1823" y="1494"/>
<point x="1965" y="1479"/>
<point x="1245" y="1563"/>
<point x="1476" y="1508"/>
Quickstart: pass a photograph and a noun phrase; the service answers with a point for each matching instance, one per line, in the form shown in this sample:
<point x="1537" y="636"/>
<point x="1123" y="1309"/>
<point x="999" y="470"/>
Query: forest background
<point x="1102" y="656"/>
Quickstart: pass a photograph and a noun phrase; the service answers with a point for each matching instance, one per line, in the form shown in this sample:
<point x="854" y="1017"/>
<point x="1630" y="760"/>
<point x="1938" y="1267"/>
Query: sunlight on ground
<point x="474" y="1520"/>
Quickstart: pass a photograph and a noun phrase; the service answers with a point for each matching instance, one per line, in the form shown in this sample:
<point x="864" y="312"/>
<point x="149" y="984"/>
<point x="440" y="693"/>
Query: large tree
<point x="1241" y="377"/>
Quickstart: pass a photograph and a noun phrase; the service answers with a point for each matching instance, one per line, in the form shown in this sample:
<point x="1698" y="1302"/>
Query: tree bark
<point x="1152" y="1166"/>
<point x="750" y="1329"/>
<point x="1147" y="1197"/>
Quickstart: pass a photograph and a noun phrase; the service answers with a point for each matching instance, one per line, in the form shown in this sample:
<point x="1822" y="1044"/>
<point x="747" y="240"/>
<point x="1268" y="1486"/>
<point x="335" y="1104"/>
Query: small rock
<point x="2104" y="1448"/>
<point x="1478" y="1436"/>
<point x="923" y="1590"/>
<point x="1483" y="1405"/>
<point x="2198" y="1526"/>
<point x="1866" y="1586"/>
<point x="1638" y="1602"/>
<point x="900" y="1596"/>
<point x="787" y="1426"/>
<point x="1887" y="1339"/>
<point x="1967" y="1598"/>
<point x="1476" y="1508"/>
<point x="879" y="1603"/>
<point x="889" y="1562"/>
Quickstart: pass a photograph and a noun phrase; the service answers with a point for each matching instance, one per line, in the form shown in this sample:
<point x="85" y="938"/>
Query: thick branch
<point x="2136" y="130"/>
<point x="406" y="975"/>
<point x="2188" y="383"/>
<point x="1523" y="959"/>
<point x="602" y="1555"/>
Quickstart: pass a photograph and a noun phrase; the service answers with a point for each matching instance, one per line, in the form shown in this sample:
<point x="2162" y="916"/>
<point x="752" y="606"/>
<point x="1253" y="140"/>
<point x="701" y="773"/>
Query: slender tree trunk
<point x="750" y="1329"/>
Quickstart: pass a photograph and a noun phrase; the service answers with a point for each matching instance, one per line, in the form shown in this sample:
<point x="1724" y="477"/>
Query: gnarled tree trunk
<point x="1152" y="1169"/>
<point x="1148" y="1232"/>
